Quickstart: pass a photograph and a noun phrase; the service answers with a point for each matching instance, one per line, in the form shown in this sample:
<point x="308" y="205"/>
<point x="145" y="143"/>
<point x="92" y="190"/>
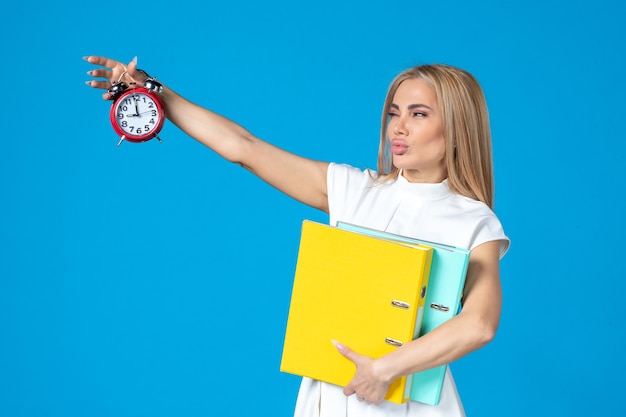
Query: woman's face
<point x="415" y="132"/>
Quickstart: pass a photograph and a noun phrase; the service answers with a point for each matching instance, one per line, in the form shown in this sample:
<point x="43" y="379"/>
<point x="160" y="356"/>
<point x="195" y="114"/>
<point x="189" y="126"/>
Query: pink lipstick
<point x="398" y="147"/>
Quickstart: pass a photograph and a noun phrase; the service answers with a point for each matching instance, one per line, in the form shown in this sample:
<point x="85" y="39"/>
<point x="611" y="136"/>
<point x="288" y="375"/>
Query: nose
<point x="399" y="127"/>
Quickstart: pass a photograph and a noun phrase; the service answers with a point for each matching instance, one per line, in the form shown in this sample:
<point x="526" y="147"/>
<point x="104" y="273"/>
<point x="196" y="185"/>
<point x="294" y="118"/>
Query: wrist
<point x="385" y="370"/>
<point x="144" y="75"/>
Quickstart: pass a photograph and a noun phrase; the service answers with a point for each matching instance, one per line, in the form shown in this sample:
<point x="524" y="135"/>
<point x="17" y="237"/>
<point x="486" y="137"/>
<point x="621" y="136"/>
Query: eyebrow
<point x="411" y="106"/>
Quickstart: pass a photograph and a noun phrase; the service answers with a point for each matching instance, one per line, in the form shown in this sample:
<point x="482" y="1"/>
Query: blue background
<point x="154" y="279"/>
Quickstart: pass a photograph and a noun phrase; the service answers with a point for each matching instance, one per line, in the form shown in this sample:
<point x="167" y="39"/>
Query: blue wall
<point x="118" y="266"/>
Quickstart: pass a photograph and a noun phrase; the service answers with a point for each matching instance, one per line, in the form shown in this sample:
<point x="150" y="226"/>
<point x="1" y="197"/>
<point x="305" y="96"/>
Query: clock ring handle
<point x="119" y="80"/>
<point x="119" y="86"/>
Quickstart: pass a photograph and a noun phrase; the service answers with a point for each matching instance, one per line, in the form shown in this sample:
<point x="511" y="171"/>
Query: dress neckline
<point x="425" y="191"/>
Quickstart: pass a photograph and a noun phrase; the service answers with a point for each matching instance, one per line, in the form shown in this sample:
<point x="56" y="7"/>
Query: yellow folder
<point x="365" y="292"/>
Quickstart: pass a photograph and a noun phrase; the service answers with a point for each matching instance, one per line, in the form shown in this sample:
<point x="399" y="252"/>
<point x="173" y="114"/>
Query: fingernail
<point x="134" y="60"/>
<point x="88" y="83"/>
<point x="337" y="344"/>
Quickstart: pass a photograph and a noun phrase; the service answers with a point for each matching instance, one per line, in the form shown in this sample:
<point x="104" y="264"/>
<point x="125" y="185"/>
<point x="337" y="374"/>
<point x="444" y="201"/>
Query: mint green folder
<point x="443" y="301"/>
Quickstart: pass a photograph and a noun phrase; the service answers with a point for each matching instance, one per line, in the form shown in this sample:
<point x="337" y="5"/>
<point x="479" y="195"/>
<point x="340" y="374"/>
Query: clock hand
<point x="139" y="114"/>
<point x="136" y="108"/>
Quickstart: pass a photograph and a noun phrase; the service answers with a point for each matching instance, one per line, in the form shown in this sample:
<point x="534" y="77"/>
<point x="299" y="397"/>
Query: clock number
<point x="147" y="127"/>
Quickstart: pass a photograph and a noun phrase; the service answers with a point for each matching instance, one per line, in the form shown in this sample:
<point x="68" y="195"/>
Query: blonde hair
<point x="465" y="127"/>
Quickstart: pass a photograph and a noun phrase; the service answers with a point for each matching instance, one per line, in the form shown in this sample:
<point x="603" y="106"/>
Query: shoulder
<point x="340" y="172"/>
<point x="485" y="224"/>
<point x="344" y="177"/>
<point x="470" y="206"/>
<point x="354" y="194"/>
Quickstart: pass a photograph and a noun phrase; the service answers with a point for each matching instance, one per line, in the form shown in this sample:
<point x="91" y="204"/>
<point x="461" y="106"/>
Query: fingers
<point x="112" y="72"/>
<point x="132" y="67"/>
<point x="350" y="389"/>
<point x="99" y="84"/>
<point x="363" y="384"/>
<point x="346" y="351"/>
<point x="105" y="62"/>
<point x="365" y="399"/>
<point x="362" y="398"/>
<point x="100" y="73"/>
<point x="362" y="394"/>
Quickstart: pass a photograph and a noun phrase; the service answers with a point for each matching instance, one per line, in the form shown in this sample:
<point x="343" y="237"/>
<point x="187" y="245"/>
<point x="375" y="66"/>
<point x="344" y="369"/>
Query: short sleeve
<point x="490" y="229"/>
<point x="346" y="184"/>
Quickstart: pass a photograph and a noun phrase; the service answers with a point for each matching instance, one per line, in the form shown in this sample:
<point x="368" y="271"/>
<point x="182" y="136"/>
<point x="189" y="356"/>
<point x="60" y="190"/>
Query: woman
<point x="434" y="182"/>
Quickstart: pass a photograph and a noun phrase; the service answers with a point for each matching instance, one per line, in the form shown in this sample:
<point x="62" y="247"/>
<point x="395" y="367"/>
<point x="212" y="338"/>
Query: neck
<point x="417" y="176"/>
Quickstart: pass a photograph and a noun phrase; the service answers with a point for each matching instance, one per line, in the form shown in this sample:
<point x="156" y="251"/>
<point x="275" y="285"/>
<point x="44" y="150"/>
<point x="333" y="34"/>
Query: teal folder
<point x="443" y="301"/>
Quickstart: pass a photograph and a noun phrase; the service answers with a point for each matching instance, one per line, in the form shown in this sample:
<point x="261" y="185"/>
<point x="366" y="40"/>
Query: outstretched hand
<point x="366" y="384"/>
<point x="113" y="71"/>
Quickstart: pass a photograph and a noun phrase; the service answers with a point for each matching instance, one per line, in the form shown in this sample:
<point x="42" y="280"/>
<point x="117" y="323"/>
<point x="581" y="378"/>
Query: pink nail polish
<point x="337" y="344"/>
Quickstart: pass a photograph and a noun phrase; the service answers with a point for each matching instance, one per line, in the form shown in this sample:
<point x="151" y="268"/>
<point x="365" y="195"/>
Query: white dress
<point x="425" y="211"/>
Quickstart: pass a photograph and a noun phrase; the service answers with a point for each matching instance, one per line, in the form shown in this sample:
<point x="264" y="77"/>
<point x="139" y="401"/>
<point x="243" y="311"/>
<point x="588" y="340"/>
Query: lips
<point x="398" y="147"/>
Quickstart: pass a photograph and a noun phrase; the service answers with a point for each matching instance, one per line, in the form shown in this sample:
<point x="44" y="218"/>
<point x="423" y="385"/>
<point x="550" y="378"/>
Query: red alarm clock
<point x="137" y="114"/>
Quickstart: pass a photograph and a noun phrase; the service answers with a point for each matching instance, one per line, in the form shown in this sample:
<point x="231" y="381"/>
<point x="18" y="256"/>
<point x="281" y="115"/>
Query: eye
<point x="391" y="114"/>
<point x="419" y="114"/>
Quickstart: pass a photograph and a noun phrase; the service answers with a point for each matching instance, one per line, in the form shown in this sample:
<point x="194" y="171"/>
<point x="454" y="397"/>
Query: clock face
<point x="137" y="115"/>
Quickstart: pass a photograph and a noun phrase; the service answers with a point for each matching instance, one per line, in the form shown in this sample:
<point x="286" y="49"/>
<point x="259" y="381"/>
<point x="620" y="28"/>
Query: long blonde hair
<point x="465" y="127"/>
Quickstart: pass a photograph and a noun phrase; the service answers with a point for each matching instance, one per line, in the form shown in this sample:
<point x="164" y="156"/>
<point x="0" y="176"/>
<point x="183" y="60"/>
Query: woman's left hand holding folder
<point x="367" y="384"/>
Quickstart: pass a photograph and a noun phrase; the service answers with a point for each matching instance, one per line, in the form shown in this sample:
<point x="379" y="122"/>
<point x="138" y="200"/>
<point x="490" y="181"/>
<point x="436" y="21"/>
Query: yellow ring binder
<point x="366" y="292"/>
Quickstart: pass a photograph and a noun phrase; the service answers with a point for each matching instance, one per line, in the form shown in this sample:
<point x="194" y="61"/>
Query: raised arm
<point x="301" y="178"/>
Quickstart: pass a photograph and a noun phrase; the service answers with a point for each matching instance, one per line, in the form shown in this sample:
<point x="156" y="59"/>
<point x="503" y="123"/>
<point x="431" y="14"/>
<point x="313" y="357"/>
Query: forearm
<point x="222" y="135"/>
<point x="447" y="343"/>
